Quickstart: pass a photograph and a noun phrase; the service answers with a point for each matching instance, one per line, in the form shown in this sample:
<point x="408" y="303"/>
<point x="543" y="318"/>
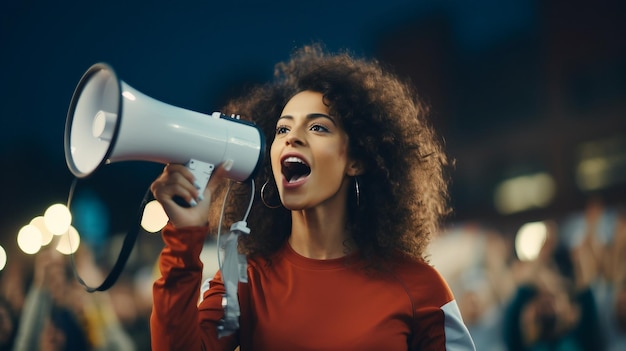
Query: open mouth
<point x="294" y="169"/>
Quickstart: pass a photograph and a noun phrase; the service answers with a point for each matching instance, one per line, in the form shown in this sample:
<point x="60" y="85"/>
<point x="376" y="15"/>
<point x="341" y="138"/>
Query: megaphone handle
<point x="202" y="173"/>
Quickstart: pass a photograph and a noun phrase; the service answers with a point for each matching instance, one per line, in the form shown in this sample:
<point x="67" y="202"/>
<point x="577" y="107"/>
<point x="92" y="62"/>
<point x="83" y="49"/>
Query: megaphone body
<point x="109" y="121"/>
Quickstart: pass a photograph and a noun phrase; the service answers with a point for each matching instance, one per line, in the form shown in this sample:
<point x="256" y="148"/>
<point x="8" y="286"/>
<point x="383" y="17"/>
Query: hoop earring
<point x="263" y="197"/>
<point x="358" y="191"/>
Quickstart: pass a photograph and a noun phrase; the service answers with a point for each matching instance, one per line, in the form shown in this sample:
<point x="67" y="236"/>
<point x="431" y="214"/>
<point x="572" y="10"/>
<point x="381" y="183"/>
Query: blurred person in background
<point x="8" y="324"/>
<point x="604" y="242"/>
<point x="46" y="321"/>
<point x="105" y="331"/>
<point x="484" y="291"/>
<point x="59" y="315"/>
<point x="14" y="281"/>
<point x="550" y="309"/>
<point x="61" y="330"/>
<point x="131" y="298"/>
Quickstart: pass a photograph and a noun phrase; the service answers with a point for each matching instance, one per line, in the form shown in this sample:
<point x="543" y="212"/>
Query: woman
<point x="353" y="188"/>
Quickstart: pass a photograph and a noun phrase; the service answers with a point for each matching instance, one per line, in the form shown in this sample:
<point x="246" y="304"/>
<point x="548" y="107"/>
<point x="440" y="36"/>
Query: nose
<point x="294" y="138"/>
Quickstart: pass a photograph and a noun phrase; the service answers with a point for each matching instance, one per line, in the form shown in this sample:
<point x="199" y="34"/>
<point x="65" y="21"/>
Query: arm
<point x="36" y="311"/>
<point x="437" y="322"/>
<point x="588" y="328"/>
<point x="176" y="322"/>
<point x="518" y="329"/>
<point x="592" y="251"/>
<point x="617" y="252"/>
<point x="48" y="277"/>
<point x="497" y="270"/>
<point x="513" y="336"/>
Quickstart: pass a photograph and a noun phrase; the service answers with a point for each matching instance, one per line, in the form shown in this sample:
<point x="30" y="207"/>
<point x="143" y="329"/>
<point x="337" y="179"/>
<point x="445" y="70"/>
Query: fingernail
<point x="228" y="165"/>
<point x="193" y="203"/>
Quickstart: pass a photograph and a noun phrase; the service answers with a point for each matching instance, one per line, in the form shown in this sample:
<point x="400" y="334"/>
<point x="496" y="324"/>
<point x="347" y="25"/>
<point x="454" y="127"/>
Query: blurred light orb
<point x="154" y="217"/>
<point x="3" y="258"/>
<point x="46" y="235"/>
<point x="69" y="242"/>
<point x="58" y="219"/>
<point x="524" y="192"/>
<point x="530" y="239"/>
<point x="29" y="239"/>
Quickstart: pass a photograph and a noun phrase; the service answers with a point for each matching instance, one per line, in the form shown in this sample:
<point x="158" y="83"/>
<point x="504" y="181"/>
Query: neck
<point x="320" y="233"/>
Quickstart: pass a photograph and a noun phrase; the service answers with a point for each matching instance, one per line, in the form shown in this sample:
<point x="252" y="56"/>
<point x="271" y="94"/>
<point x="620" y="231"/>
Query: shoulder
<point x="436" y="316"/>
<point x="424" y="284"/>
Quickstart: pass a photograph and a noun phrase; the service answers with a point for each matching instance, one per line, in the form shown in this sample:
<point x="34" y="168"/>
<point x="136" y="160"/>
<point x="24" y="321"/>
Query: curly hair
<point x="403" y="191"/>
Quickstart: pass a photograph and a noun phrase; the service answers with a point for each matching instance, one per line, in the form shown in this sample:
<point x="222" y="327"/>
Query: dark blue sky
<point x="191" y="54"/>
<point x="186" y="52"/>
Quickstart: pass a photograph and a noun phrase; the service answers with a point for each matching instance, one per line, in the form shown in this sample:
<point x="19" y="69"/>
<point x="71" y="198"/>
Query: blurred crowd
<point x="44" y="307"/>
<point x="571" y="296"/>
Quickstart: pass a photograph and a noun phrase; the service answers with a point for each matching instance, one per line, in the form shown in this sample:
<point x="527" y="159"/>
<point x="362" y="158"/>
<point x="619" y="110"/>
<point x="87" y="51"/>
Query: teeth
<point x="294" y="159"/>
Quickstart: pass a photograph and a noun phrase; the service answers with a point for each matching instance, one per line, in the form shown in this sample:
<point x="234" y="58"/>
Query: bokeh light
<point x="69" y="242"/>
<point x="46" y="234"/>
<point x="3" y="258"/>
<point x="58" y="219"/>
<point x="530" y="239"/>
<point x="524" y="192"/>
<point x="154" y="217"/>
<point x="29" y="239"/>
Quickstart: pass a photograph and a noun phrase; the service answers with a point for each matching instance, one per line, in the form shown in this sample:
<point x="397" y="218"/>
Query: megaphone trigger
<point x="202" y="173"/>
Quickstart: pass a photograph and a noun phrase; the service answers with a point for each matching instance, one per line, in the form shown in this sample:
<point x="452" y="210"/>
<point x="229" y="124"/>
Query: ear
<point x="354" y="168"/>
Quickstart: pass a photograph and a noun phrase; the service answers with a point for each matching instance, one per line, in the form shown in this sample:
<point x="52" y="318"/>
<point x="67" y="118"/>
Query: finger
<point x="175" y="180"/>
<point x="175" y="168"/>
<point x="169" y="193"/>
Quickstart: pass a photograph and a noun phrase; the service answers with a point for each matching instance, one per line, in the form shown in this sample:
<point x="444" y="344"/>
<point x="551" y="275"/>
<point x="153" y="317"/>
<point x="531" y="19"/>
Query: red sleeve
<point x="437" y="322"/>
<point x="176" y="322"/>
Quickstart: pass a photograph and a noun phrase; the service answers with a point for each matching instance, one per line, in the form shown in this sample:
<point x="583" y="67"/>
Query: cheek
<point x="335" y="156"/>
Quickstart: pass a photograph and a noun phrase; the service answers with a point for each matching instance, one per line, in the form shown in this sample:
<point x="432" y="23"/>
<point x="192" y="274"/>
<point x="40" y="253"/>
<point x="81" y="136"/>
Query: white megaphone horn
<point x="109" y="121"/>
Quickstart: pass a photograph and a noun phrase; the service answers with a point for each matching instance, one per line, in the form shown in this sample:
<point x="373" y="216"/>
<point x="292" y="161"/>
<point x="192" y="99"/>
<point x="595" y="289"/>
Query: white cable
<point x="245" y="218"/>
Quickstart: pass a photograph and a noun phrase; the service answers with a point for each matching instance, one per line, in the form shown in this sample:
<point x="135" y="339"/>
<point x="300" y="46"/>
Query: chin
<point x="294" y="204"/>
<point x="291" y="206"/>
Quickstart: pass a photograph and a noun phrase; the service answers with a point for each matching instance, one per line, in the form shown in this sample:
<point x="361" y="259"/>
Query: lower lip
<point x="287" y="185"/>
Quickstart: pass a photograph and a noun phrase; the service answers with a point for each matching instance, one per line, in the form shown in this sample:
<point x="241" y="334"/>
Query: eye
<point x="281" y="129"/>
<point x="319" y="128"/>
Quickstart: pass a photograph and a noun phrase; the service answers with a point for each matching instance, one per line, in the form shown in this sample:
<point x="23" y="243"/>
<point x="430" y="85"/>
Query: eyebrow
<point x="311" y="116"/>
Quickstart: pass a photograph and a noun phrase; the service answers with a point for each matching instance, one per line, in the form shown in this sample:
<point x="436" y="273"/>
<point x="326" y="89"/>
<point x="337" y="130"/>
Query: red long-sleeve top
<point x="295" y="303"/>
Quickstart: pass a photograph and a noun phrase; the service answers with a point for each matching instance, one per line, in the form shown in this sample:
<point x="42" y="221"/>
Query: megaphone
<point x="109" y="121"/>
